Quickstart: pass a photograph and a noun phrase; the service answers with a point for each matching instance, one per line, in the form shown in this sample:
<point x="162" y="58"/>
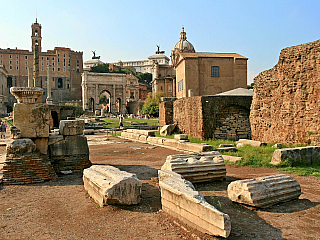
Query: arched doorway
<point x="118" y="105"/>
<point x="91" y="104"/>
<point x="105" y="100"/>
<point x="60" y="83"/>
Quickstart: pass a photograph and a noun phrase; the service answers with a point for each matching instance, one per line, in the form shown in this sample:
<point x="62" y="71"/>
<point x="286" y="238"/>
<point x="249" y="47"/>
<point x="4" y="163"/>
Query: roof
<point x="237" y="92"/>
<point x="158" y="56"/>
<point x="213" y="55"/>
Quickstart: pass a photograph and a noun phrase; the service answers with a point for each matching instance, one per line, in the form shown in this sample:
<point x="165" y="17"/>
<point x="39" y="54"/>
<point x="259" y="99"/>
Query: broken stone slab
<point x="71" y="127"/>
<point x="197" y="167"/>
<point x="231" y="158"/>
<point x="170" y="143"/>
<point x="167" y="129"/>
<point x="308" y="154"/>
<point x="21" y="146"/>
<point x="226" y="145"/>
<point x="194" y="147"/>
<point x="264" y="191"/>
<point x="180" y="200"/>
<point x="155" y="140"/>
<point x="181" y="137"/>
<point x="88" y="131"/>
<point x="147" y="133"/>
<point x="15" y="132"/>
<point x="109" y="185"/>
<point x="240" y="145"/>
<point x="252" y="143"/>
<point x="31" y="119"/>
<point x="227" y="149"/>
<point x="54" y="138"/>
<point x="70" y="145"/>
<point x="143" y="138"/>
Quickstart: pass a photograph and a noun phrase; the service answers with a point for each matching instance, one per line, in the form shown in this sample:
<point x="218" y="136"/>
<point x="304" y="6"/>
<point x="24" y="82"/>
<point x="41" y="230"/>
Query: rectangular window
<point x="53" y="64"/>
<point x="17" y="62"/>
<point x="161" y="88"/>
<point x="0" y="61"/>
<point x="47" y="58"/>
<point x="17" y="67"/>
<point x="26" y="63"/>
<point x="25" y="57"/>
<point x="170" y="88"/>
<point x="42" y="58"/>
<point x="53" y="59"/>
<point x="42" y="63"/>
<point x="42" y="69"/>
<point x="26" y="68"/>
<point x="17" y="56"/>
<point x="64" y="55"/>
<point x="215" y="71"/>
<point x="1" y="56"/>
<point x="10" y="67"/>
<point x="10" y="56"/>
<point x="52" y="69"/>
<point x="10" y="62"/>
<point x="58" y="54"/>
<point x="58" y="59"/>
<point x="58" y="69"/>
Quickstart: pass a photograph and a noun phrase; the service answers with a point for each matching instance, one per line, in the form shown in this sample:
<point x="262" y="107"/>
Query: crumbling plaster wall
<point x="285" y="106"/>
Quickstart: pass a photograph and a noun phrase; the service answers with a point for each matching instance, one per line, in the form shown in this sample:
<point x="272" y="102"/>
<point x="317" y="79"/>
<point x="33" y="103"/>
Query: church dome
<point x="184" y="45"/>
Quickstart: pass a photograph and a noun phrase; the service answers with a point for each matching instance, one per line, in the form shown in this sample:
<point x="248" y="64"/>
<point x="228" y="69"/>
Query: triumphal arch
<point x="104" y="90"/>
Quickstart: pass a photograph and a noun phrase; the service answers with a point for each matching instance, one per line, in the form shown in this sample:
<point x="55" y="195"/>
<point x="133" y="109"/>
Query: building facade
<point x="199" y="74"/>
<point x="3" y="90"/>
<point x="64" y="64"/>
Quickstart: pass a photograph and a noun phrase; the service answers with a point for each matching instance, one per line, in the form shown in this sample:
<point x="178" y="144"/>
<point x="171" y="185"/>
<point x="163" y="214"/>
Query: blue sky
<point x="130" y="30"/>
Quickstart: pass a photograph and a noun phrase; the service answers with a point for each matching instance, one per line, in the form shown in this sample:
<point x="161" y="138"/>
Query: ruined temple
<point x="285" y="106"/>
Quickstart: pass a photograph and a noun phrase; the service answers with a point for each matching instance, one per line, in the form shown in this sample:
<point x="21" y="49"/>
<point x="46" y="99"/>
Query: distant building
<point x="65" y="64"/>
<point x="199" y="74"/>
<point x="3" y="90"/>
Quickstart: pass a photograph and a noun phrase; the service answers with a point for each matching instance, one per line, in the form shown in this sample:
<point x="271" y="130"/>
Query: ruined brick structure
<point x="166" y="111"/>
<point x="205" y="117"/>
<point x="285" y="106"/>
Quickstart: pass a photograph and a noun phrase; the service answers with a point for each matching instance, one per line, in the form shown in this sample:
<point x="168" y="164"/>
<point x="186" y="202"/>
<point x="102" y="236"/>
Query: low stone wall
<point x="199" y="167"/>
<point x="264" y="191"/>
<point x="138" y="135"/>
<point x="180" y="199"/>
<point x="309" y="155"/>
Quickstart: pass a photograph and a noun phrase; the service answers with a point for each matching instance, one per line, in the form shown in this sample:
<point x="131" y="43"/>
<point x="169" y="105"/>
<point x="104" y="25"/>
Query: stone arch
<point x="233" y="122"/>
<point x="105" y="105"/>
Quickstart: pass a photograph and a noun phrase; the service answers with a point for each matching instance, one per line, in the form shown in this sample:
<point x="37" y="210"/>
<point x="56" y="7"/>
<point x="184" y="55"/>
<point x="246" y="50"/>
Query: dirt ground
<point x="62" y="209"/>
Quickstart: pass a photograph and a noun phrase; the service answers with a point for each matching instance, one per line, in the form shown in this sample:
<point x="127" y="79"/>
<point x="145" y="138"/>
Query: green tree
<point x="145" y="78"/>
<point x="100" y="68"/>
<point x="151" y="104"/>
<point x="251" y="86"/>
<point x="102" y="99"/>
<point x="78" y="109"/>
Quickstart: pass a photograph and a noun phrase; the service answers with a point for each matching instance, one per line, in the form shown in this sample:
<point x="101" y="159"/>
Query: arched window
<point x="60" y="83"/>
<point x="36" y="33"/>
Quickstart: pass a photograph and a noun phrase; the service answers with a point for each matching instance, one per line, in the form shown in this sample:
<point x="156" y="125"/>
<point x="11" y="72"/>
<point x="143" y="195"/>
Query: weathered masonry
<point x="224" y="115"/>
<point x="285" y="106"/>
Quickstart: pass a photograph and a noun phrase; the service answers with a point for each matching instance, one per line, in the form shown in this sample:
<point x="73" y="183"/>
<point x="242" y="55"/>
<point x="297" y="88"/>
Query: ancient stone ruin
<point x="264" y="191"/>
<point x="297" y="155"/>
<point x="285" y="106"/>
<point x="35" y="155"/>
<point x="108" y="185"/>
<point x="197" y="167"/>
<point x="180" y="199"/>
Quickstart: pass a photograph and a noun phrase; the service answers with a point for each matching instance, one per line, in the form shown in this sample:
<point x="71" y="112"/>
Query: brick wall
<point x="200" y="116"/>
<point x="285" y="106"/>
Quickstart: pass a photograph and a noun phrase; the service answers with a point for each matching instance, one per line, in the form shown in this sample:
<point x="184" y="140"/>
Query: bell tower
<point x="36" y="35"/>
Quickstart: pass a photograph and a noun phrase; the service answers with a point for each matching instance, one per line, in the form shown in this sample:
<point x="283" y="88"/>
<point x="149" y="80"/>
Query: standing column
<point x="114" y="98"/>
<point x="36" y="81"/>
<point x="123" y="98"/>
<point x="49" y="99"/>
<point x="30" y="79"/>
<point x="96" y="99"/>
